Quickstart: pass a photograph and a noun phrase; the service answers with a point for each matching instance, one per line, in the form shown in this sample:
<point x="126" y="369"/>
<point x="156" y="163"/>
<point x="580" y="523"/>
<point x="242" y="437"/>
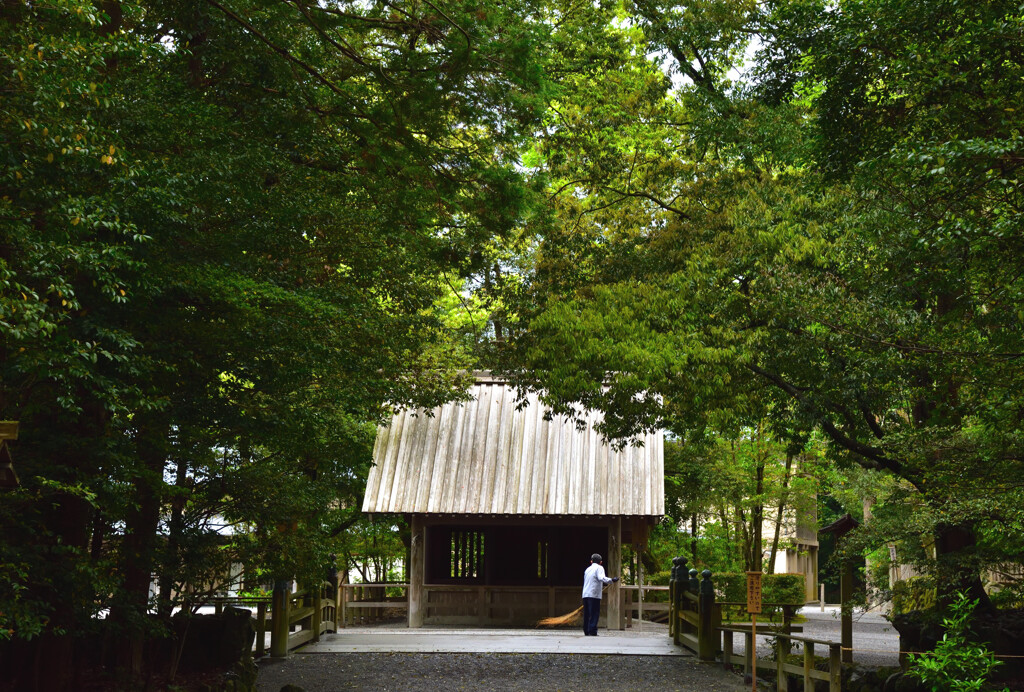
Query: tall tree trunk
<point x="955" y="544"/>
<point x="175" y="527"/>
<point x="783" y="500"/>
<point x="757" y="523"/>
<point x="65" y="532"/>
<point x="139" y="544"/>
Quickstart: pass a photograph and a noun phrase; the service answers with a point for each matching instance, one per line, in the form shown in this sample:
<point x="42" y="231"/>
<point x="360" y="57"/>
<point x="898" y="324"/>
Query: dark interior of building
<point x="511" y="555"/>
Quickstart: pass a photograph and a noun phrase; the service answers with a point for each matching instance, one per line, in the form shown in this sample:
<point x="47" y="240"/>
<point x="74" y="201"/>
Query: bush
<point x="915" y="593"/>
<point x="785" y="589"/>
<point x="956" y="664"/>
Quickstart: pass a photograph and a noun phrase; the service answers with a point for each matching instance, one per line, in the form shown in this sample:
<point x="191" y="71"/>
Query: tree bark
<point x="139" y="545"/>
<point x="783" y="500"/>
<point x="954" y="542"/>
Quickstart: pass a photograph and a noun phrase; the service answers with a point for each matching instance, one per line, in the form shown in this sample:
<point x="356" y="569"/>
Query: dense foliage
<point x="833" y="236"/>
<point x="228" y="234"/>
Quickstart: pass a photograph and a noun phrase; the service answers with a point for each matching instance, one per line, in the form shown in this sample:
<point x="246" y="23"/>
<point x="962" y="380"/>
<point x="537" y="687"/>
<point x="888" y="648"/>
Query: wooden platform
<point x="495" y="641"/>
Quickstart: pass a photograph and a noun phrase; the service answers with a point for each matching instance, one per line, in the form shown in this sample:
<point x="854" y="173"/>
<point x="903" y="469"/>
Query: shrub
<point x="775" y="588"/>
<point x="916" y="593"/>
<point x="956" y="664"/>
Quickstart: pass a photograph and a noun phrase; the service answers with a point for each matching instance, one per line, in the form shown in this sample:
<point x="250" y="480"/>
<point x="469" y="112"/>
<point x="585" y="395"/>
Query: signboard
<point x="754" y="592"/>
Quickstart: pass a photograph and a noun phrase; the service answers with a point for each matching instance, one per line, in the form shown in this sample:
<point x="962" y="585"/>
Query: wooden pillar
<point x="279" y="627"/>
<point x="316" y="594"/>
<point x="846" y="619"/>
<point x="261" y="629"/>
<point x="808" y="665"/>
<point x="835" y="669"/>
<point x="417" y="572"/>
<point x="637" y="547"/>
<point x="614" y="600"/>
<point x="707" y="646"/>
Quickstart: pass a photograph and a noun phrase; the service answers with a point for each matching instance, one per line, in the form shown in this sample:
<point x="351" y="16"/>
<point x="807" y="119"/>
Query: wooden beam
<point x="417" y="572"/>
<point x="614" y="609"/>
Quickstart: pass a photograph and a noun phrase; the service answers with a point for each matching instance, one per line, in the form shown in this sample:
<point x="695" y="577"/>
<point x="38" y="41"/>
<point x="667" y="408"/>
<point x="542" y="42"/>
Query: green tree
<point x="226" y="232"/>
<point x="837" y="237"/>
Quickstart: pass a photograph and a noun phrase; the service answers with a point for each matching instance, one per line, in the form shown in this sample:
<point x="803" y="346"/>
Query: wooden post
<point x="640" y="590"/>
<point x="677" y="610"/>
<point x="279" y="627"/>
<point x="835" y="668"/>
<point x="707" y="648"/>
<point x="417" y="572"/>
<point x="342" y="607"/>
<point x="261" y="629"/>
<point x="673" y="578"/>
<point x="754" y="608"/>
<point x="753" y="651"/>
<point x="846" y="619"/>
<point x="727" y="650"/>
<point x="614" y="614"/>
<point x="748" y="650"/>
<point x="808" y="665"/>
<point x="781" y="652"/>
<point x="788" y="612"/>
<point x="628" y="595"/>
<point x="338" y="622"/>
<point x="316" y="600"/>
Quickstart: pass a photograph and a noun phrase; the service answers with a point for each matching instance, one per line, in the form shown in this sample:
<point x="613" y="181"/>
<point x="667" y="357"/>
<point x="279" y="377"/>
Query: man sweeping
<point x="594" y="580"/>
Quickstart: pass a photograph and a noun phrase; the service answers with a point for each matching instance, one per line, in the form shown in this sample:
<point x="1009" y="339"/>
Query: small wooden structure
<point x="506" y="505"/>
<point x="839" y="528"/>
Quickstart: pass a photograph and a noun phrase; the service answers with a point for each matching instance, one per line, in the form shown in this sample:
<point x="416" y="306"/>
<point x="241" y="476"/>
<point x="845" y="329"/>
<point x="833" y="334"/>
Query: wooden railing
<point x="634" y="599"/>
<point x="259" y="620"/>
<point x="695" y="621"/>
<point x="363" y="604"/>
<point x="769" y="626"/>
<point x="312" y="611"/>
<point x="293" y="618"/>
<point x="514" y="606"/>
<point x="781" y="665"/>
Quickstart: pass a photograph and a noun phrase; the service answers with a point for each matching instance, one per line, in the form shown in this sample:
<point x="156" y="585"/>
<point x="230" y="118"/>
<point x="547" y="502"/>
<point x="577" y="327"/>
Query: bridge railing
<point x="298" y="617"/>
<point x="781" y="665"/>
<point x="695" y="621"/>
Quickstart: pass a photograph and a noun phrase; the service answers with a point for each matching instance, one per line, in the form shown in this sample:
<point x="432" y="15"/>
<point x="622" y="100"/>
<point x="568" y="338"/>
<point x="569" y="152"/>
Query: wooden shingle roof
<point x="485" y="457"/>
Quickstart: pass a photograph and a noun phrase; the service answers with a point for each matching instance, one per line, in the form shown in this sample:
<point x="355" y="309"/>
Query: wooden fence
<point x="364" y="604"/>
<point x="293" y="618"/>
<point x="781" y="665"/>
<point x="695" y="621"/>
<point x="635" y="600"/>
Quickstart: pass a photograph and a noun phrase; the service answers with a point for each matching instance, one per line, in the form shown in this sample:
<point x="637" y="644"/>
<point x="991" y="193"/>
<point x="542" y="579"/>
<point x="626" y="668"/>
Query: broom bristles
<point x="567" y="619"/>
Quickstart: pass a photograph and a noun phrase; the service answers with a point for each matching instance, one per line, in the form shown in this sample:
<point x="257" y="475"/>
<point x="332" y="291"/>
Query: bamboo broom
<point x="572" y="618"/>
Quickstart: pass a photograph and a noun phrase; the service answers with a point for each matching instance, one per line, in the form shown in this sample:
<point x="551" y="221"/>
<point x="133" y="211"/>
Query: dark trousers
<point x="591" y="612"/>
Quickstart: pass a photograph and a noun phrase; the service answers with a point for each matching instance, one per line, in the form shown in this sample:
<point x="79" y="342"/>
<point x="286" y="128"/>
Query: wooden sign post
<point x="753" y="607"/>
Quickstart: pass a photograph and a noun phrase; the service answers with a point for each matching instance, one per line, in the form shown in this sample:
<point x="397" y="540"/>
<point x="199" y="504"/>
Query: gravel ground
<point x="494" y="672"/>
<point x="875" y="644"/>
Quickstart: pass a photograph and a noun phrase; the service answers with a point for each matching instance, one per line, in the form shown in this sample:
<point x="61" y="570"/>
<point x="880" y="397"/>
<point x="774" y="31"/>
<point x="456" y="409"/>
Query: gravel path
<point x="494" y="672"/>
<point x="875" y="644"/>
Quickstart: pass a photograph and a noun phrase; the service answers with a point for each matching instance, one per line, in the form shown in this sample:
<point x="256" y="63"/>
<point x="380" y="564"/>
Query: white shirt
<point x="593" y="579"/>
